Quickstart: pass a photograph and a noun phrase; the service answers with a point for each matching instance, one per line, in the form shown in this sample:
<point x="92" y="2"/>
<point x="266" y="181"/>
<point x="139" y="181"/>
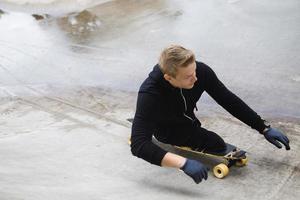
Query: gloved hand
<point x="195" y="169"/>
<point x="273" y="136"/>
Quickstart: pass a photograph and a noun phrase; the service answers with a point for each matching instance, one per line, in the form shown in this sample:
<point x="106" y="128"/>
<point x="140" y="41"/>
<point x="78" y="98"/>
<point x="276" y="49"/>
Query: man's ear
<point x="167" y="77"/>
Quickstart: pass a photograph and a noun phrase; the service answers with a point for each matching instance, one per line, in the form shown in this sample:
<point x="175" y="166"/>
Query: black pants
<point x="193" y="136"/>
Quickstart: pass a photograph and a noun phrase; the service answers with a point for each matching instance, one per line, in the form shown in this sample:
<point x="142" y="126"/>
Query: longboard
<point x="231" y="156"/>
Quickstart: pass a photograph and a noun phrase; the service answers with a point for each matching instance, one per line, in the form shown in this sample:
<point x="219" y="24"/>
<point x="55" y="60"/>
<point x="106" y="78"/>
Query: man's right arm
<point x="173" y="160"/>
<point x="144" y="124"/>
<point x="143" y="127"/>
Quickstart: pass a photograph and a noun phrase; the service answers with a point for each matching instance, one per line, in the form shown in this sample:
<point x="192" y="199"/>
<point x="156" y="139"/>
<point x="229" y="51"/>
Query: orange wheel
<point x="242" y="162"/>
<point x="221" y="170"/>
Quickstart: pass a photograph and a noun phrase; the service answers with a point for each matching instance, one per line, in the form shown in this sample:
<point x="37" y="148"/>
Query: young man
<point x="165" y="109"/>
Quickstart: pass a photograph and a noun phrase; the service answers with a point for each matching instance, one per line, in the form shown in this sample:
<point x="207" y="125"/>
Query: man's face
<point x="185" y="78"/>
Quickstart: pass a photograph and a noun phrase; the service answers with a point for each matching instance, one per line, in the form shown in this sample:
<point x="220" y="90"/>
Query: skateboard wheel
<point x="221" y="170"/>
<point x="241" y="162"/>
<point x="129" y="141"/>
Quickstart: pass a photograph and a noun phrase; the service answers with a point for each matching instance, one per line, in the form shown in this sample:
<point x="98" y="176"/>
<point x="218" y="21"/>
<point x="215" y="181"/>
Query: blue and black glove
<point x="195" y="169"/>
<point x="275" y="136"/>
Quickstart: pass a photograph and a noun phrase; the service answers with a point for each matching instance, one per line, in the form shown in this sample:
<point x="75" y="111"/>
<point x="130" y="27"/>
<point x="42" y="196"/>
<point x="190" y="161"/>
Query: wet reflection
<point x="108" y="20"/>
<point x="79" y="26"/>
<point x="115" y="45"/>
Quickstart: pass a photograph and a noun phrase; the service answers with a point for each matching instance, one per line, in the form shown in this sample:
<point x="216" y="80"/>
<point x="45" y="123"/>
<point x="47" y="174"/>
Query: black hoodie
<point x="160" y="105"/>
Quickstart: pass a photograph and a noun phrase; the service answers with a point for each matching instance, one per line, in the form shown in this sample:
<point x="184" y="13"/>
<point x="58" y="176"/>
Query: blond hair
<point x="173" y="57"/>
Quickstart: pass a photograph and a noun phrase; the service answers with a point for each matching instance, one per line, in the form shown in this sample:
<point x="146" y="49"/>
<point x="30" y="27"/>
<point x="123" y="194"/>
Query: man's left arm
<point x="239" y="109"/>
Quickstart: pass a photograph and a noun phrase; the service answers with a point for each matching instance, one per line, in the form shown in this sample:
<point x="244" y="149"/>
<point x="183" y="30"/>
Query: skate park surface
<point x="69" y="79"/>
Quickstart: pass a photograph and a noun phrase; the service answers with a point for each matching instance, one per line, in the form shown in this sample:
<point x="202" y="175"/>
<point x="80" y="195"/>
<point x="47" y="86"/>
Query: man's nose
<point x="195" y="78"/>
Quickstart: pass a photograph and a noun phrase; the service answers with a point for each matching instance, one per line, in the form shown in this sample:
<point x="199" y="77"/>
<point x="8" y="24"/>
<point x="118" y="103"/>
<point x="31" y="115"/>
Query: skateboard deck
<point x="231" y="156"/>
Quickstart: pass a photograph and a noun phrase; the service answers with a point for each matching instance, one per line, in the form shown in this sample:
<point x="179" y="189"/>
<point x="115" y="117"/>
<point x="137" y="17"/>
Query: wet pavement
<point x="68" y="82"/>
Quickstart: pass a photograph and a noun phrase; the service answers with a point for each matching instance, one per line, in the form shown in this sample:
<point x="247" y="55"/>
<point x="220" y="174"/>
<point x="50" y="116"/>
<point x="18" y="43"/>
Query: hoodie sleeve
<point x="230" y="102"/>
<point x="144" y="124"/>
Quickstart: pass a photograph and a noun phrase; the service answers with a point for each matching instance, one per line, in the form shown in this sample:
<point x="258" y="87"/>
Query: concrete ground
<point x="68" y="83"/>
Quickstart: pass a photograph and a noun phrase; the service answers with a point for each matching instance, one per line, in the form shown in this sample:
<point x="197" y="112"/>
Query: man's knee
<point x="215" y="143"/>
<point x="220" y="145"/>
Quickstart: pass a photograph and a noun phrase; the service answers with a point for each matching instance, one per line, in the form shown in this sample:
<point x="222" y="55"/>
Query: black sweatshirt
<point x="161" y="105"/>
